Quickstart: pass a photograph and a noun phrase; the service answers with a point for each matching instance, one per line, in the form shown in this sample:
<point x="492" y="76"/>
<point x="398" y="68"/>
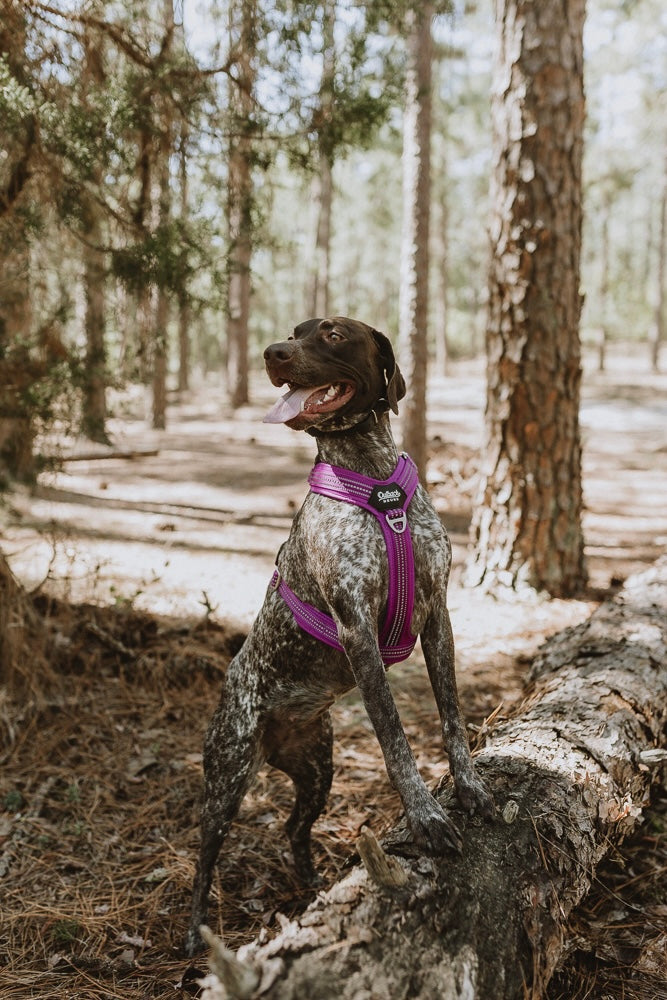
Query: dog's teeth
<point x="331" y="392"/>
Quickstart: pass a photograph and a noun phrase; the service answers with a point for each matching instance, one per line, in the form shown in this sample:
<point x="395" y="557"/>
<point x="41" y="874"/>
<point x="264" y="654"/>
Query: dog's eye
<point x="335" y="337"/>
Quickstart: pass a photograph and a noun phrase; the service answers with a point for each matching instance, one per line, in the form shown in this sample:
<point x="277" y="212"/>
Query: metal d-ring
<point x="397" y="521"/>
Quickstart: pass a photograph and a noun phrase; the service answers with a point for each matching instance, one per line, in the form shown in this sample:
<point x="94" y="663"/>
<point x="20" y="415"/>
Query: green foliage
<point x="17" y="103"/>
<point x="168" y="257"/>
<point x="361" y="107"/>
<point x="394" y="13"/>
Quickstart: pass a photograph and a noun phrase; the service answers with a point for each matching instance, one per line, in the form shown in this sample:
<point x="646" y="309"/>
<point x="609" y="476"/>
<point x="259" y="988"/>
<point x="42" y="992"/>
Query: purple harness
<point x="388" y="500"/>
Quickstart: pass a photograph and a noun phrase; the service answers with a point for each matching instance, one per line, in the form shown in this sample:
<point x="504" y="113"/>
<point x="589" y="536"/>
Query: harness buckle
<point x="397" y="520"/>
<point x="275" y="580"/>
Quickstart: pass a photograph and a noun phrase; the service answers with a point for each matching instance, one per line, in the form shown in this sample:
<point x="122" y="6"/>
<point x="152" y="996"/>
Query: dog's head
<point x="336" y="369"/>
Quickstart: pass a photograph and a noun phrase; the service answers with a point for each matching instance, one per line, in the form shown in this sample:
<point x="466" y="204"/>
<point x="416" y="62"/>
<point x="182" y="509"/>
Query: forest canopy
<point x="119" y="122"/>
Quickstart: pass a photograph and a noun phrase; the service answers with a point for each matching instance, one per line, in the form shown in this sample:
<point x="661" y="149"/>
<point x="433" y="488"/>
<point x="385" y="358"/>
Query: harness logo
<point x="387" y="497"/>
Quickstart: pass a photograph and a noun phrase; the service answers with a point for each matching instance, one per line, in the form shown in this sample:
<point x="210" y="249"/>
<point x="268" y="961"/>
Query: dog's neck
<point x="371" y="453"/>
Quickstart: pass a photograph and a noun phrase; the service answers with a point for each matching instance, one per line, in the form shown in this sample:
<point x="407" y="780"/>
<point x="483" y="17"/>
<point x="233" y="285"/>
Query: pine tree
<point x="243" y="34"/>
<point x="16" y="169"/>
<point x="94" y="406"/>
<point x="413" y="297"/>
<point x="527" y="523"/>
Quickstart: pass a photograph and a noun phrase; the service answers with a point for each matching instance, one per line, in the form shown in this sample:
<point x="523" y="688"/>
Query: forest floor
<point x="149" y="561"/>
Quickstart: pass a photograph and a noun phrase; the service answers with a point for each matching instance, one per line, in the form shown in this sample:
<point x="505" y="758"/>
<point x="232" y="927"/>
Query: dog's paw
<point x="432" y="829"/>
<point x="475" y="797"/>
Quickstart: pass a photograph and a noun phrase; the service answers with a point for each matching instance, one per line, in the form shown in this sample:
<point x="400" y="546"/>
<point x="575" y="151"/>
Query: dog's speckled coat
<point x="279" y="688"/>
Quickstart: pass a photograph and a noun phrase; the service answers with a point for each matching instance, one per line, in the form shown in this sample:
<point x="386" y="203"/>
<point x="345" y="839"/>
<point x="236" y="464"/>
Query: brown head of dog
<point x="339" y="372"/>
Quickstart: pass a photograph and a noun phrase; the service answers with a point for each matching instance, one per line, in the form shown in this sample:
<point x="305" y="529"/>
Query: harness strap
<point x="387" y="500"/>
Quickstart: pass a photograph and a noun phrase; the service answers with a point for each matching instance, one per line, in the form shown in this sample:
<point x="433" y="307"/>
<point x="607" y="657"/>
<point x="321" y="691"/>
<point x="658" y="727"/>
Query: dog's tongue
<point x="288" y="406"/>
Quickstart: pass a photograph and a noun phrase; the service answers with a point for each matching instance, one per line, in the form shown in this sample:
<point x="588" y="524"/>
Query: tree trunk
<point x="184" y="311"/>
<point x="94" y="413"/>
<point x="17" y="431"/>
<point x="243" y="27"/>
<point x="319" y="303"/>
<point x="527" y="524"/>
<point x="658" y="331"/>
<point x="16" y="423"/>
<point x="160" y="360"/>
<point x="161" y="320"/>
<point x="413" y="292"/>
<point x="144" y="306"/>
<point x="605" y="256"/>
<point x="442" y="274"/>
<point x="161" y="333"/>
<point x="571" y="775"/>
<point x="324" y="190"/>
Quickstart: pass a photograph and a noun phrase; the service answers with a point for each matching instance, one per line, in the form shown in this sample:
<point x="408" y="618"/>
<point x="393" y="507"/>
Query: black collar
<point x="365" y="425"/>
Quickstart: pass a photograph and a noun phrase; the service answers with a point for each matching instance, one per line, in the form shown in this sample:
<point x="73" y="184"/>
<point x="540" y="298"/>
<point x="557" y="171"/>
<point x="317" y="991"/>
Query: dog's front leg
<point x="438" y="646"/>
<point x="431" y="828"/>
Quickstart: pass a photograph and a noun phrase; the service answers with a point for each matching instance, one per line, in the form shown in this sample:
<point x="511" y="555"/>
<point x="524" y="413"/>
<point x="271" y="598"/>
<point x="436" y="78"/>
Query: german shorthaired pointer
<point x="343" y="380"/>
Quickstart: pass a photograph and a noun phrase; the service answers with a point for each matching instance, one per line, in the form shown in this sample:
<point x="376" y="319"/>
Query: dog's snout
<point x="276" y="353"/>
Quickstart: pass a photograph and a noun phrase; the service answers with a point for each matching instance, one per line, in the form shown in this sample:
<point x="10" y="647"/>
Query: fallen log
<point x="571" y="774"/>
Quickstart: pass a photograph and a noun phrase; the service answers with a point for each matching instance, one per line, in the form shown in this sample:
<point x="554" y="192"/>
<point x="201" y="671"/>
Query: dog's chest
<point x="335" y="543"/>
<point x="336" y="546"/>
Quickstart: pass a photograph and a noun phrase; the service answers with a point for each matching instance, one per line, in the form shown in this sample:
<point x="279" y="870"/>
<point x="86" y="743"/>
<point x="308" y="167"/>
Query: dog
<point x="334" y="574"/>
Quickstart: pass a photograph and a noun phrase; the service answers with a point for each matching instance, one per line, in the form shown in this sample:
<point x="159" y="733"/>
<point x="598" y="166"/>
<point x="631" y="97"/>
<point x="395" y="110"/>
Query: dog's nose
<point x="278" y="352"/>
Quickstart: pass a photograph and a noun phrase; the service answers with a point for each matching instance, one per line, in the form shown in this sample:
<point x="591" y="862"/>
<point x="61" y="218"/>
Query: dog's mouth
<point x="304" y="401"/>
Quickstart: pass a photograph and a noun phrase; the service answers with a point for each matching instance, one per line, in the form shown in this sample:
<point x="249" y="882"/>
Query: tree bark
<point x="605" y="260"/>
<point x="17" y="430"/>
<point x="143" y="307"/>
<point x="243" y="27"/>
<point x="163" y="198"/>
<point x="658" y="330"/>
<point x="442" y="272"/>
<point x="184" y="311"/>
<point x="324" y="180"/>
<point x="527" y="525"/>
<point x="94" y="405"/>
<point x="571" y="774"/>
<point x="94" y="415"/>
<point x="323" y="194"/>
<point x="160" y="360"/>
<point x="17" y="367"/>
<point x="413" y="292"/>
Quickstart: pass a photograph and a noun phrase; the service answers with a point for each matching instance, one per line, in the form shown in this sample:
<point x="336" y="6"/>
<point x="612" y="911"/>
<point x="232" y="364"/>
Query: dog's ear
<point x="395" y="381"/>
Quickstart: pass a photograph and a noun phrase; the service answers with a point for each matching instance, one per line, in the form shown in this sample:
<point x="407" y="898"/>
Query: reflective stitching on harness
<point x="396" y="641"/>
